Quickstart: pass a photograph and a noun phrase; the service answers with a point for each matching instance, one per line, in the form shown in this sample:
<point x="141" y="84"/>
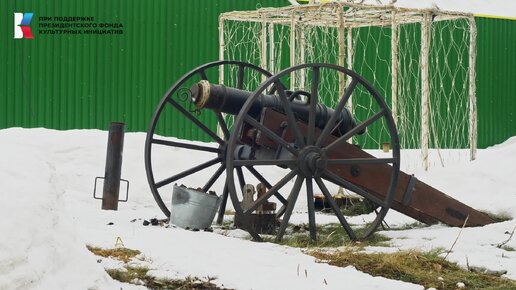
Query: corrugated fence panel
<point x="87" y="81"/>
<point x="496" y="80"/>
<point x="372" y="45"/>
<point x="70" y="81"/>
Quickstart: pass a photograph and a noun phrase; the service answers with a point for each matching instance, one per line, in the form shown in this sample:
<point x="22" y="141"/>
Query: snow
<point x="39" y="245"/>
<point x="487" y="184"/>
<point x="502" y="8"/>
<point x="499" y="8"/>
<point x="48" y="216"/>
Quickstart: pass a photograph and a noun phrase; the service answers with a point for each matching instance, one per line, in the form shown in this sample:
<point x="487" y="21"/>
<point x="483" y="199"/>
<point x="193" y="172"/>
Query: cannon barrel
<point x="230" y="100"/>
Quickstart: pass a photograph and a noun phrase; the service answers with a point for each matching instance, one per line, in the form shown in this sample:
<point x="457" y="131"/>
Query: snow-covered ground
<point x="48" y="216"/>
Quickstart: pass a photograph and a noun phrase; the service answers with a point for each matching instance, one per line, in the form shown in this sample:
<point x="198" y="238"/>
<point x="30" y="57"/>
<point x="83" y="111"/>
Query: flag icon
<point x="22" y="25"/>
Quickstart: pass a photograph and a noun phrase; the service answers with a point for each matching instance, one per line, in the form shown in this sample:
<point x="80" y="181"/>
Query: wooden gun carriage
<point x="294" y="130"/>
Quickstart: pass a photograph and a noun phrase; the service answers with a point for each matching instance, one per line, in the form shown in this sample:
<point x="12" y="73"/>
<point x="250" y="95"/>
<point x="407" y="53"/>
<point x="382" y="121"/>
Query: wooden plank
<point x="426" y="204"/>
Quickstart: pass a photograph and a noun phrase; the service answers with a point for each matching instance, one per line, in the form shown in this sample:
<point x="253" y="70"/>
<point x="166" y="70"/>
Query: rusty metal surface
<point x="113" y="170"/>
<point x="426" y="204"/>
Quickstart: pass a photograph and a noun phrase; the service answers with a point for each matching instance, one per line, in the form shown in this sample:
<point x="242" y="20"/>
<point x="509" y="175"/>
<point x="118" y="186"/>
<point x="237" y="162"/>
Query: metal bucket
<point x="193" y="209"/>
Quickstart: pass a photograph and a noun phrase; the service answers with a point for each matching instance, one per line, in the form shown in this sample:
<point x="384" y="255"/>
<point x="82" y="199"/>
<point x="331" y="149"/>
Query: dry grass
<point x="427" y="269"/>
<point x="121" y="254"/>
<point x="329" y="235"/>
<point x="507" y="248"/>
<point x="139" y="275"/>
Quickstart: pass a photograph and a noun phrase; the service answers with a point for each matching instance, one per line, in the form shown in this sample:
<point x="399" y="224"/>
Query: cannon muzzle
<point x="230" y="101"/>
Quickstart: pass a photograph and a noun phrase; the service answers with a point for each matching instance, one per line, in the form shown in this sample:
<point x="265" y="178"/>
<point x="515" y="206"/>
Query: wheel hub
<point x="312" y="161"/>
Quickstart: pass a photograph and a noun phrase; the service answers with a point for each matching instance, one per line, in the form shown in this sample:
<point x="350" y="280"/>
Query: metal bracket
<point x="122" y="200"/>
<point x="410" y="188"/>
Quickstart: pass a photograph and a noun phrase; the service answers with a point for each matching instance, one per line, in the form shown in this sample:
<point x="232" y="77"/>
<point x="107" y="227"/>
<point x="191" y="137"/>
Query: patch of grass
<point x="357" y="207"/>
<point x="139" y="275"/>
<point x="187" y="283"/>
<point x="349" y="206"/>
<point x="226" y="225"/>
<point x="427" y="269"/>
<point x="507" y="248"/>
<point x="500" y="217"/>
<point x="330" y="235"/>
<point x="414" y="225"/>
<point x="121" y="254"/>
<point x="129" y="274"/>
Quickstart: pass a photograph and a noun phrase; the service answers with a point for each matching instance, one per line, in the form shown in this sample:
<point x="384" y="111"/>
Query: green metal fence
<point x="68" y="81"/>
<point x="496" y="80"/>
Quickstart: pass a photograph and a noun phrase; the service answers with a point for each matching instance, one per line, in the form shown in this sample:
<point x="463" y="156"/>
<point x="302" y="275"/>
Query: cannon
<point x="263" y="125"/>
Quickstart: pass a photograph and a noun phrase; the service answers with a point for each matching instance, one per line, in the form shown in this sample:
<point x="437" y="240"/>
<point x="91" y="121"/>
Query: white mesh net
<point x="419" y="60"/>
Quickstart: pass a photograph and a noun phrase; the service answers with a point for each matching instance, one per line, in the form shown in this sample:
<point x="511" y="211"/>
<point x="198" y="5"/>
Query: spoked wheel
<point x="316" y="148"/>
<point x="175" y="110"/>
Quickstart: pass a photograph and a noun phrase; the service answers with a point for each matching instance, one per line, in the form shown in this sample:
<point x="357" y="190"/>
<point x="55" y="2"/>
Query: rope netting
<point x="421" y="62"/>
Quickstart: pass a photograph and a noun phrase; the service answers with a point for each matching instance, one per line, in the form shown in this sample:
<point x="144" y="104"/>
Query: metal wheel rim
<point x="275" y="80"/>
<point x="159" y="109"/>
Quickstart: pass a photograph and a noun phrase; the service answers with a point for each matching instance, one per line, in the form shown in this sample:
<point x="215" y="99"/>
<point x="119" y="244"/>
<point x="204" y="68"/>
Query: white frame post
<point x="263" y="46"/>
<point x="472" y="88"/>
<point x="293" y="49"/>
<point x="342" y="49"/>
<point x="349" y="62"/>
<point x="302" y="43"/>
<point x="221" y="49"/>
<point x="425" y="88"/>
<point x="394" y="67"/>
<point x="271" y="49"/>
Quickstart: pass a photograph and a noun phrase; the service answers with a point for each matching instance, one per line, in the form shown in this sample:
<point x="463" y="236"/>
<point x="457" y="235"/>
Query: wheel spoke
<point x="213" y="178"/>
<point x="330" y="176"/>
<point x="290" y="207"/>
<point x="313" y="103"/>
<point x="291" y="119"/>
<point x="223" y="203"/>
<point x="240" y="176"/>
<point x="311" y="208"/>
<point x="222" y="124"/>
<point x="188" y="172"/>
<point x="240" y="77"/>
<point x="329" y="125"/>
<point x="281" y="211"/>
<point x="251" y="121"/>
<point x="185" y="145"/>
<point x="259" y="201"/>
<point x="383" y="224"/>
<point x="336" y="209"/>
<point x="267" y="184"/>
<point x="362" y="161"/>
<point x="203" y="76"/>
<point x="355" y="130"/>
<point x="195" y="121"/>
<point x="257" y="162"/>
